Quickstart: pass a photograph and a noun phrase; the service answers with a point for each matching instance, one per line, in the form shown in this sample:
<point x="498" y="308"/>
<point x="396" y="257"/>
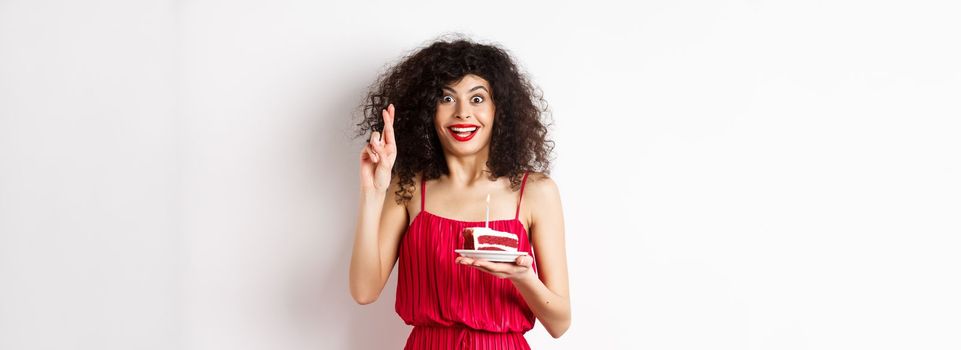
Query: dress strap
<point x="523" y="183"/>
<point x="423" y="193"/>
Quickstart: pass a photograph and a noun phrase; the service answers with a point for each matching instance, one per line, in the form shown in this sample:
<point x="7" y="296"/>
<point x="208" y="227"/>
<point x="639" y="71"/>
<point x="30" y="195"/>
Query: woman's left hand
<point x="518" y="270"/>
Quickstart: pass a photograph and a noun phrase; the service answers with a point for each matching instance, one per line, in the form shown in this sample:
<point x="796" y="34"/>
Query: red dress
<point x="454" y="306"/>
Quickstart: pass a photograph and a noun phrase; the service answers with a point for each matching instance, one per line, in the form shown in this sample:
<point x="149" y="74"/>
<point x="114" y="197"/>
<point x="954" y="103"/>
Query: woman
<point x="459" y="123"/>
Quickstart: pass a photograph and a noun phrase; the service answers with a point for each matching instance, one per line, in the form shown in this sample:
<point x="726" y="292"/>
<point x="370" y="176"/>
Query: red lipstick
<point x="463" y="132"/>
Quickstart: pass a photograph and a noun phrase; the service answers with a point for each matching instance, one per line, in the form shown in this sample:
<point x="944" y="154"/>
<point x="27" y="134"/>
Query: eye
<point x="447" y="99"/>
<point x="477" y="99"/>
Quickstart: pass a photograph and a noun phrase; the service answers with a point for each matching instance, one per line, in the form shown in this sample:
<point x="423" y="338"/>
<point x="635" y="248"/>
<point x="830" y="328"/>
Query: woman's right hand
<point x="377" y="158"/>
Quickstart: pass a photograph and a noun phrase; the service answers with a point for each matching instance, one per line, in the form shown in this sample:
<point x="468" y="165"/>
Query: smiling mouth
<point x="463" y="134"/>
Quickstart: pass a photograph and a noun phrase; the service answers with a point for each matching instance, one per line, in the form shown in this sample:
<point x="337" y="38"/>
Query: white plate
<point x="490" y="255"/>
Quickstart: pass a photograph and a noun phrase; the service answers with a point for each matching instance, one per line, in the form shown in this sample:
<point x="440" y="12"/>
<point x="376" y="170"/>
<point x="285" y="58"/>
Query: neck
<point x="465" y="170"/>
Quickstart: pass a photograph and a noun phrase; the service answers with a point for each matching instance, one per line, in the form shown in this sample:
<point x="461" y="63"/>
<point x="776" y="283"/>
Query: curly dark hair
<point x="414" y="85"/>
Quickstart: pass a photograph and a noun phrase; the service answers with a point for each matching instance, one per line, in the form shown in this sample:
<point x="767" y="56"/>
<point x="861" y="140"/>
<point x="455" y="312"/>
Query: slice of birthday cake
<point x="482" y="238"/>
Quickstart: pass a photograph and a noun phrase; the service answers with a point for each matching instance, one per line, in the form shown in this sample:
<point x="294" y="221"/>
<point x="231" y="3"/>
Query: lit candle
<point x="487" y="215"/>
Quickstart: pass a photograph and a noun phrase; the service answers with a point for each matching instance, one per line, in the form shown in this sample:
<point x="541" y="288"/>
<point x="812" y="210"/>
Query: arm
<point x="380" y="225"/>
<point x="381" y="221"/>
<point x="547" y="292"/>
<point x="548" y="296"/>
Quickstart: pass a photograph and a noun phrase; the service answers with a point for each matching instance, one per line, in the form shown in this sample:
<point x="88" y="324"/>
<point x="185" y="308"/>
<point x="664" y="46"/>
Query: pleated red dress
<point x="454" y="306"/>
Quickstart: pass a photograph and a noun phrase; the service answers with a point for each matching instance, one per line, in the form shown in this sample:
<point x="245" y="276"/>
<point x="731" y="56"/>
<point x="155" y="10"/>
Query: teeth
<point x="464" y="129"/>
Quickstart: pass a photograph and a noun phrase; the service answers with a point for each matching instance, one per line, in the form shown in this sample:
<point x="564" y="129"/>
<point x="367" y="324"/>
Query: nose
<point x="463" y="111"/>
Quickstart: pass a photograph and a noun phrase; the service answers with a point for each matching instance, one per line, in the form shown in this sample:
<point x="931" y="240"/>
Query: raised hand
<point x="377" y="158"/>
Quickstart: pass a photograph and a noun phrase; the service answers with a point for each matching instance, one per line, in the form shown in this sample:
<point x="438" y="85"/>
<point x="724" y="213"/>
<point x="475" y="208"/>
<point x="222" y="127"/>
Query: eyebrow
<point x="472" y="89"/>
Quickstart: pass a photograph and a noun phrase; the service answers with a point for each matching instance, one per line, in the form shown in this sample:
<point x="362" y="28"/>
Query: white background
<point x="734" y="174"/>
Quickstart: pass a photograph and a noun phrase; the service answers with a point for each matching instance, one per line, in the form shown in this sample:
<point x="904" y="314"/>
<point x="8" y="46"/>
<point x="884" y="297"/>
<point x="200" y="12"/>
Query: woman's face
<point x="465" y="116"/>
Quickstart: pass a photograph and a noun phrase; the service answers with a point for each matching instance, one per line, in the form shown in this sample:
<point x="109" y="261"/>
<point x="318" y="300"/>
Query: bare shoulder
<point x="543" y="210"/>
<point x="542" y="200"/>
<point x="541" y="188"/>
